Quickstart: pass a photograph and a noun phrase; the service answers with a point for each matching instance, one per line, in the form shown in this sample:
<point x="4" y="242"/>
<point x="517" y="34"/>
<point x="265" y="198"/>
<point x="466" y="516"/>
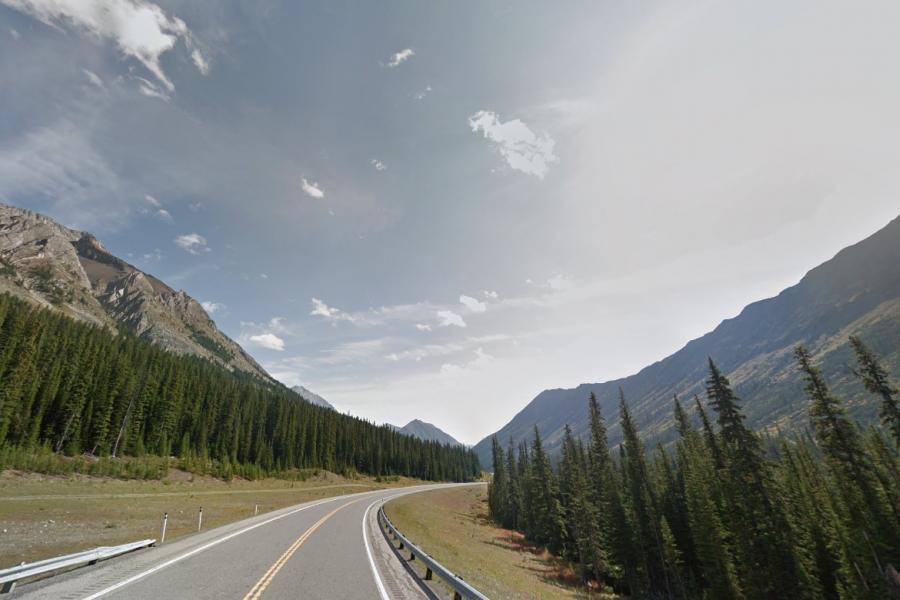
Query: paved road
<point x="328" y="549"/>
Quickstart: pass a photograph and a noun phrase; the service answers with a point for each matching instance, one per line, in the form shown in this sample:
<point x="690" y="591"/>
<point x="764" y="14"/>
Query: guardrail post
<point x="8" y="587"/>
<point x="255" y="509"/>
<point x="457" y="596"/>
<point x="200" y="519"/>
<point x="428" y="574"/>
<point x="165" y="523"/>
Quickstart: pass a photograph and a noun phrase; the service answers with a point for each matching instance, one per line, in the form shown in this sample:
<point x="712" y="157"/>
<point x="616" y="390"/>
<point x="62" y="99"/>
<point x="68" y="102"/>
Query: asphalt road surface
<point x="328" y="549"/>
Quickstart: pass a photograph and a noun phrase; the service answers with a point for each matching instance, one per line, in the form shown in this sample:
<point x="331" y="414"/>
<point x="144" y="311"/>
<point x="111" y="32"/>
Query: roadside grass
<point x="43" y="515"/>
<point x="452" y="526"/>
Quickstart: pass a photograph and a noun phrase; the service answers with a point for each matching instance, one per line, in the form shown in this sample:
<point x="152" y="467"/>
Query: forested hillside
<point x="77" y="388"/>
<point x="726" y="514"/>
<point x="855" y="293"/>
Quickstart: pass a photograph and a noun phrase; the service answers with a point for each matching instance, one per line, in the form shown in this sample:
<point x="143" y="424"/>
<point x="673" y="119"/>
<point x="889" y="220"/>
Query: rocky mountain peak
<point x="71" y="271"/>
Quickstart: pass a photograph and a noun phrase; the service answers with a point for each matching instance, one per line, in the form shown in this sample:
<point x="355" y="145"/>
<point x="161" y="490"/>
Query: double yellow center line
<point x="261" y="585"/>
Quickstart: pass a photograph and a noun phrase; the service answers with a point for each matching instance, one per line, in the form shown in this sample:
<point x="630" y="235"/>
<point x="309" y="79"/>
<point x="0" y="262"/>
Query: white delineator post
<point x="255" y="509"/>
<point x="200" y="519"/>
<point x="165" y="523"/>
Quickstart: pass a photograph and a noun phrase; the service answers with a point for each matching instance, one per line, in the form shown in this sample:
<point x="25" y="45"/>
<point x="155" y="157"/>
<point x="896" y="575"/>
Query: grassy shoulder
<point x="452" y="525"/>
<point x="47" y="515"/>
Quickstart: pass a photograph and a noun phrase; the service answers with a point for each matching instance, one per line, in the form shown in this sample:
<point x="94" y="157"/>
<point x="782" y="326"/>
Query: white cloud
<point x="421" y="95"/>
<point x="474" y="305"/>
<point x="268" y="340"/>
<point x="152" y="201"/>
<point x="481" y="360"/>
<point x="423" y="327"/>
<point x="379" y="166"/>
<point x="212" y="307"/>
<point x="164" y="215"/>
<point x="398" y="58"/>
<point x="490" y="295"/>
<point x="263" y="276"/>
<point x="141" y="29"/>
<point x="311" y="189"/>
<point x="192" y="242"/>
<point x="200" y="62"/>
<point x="523" y="149"/>
<point x="354" y="352"/>
<point x="151" y="90"/>
<point x="15" y="34"/>
<point x="195" y="207"/>
<point x="154" y="256"/>
<point x="320" y="309"/>
<point x="60" y="163"/>
<point x="560" y="283"/>
<point x="447" y="318"/>
<point x="93" y="78"/>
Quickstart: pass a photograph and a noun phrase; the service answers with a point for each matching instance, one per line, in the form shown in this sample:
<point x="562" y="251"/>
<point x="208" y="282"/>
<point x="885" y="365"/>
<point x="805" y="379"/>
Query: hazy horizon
<point x="421" y="212"/>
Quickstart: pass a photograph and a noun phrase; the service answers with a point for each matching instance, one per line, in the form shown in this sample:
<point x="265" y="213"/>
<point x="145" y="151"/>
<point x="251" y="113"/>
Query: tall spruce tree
<point x="876" y="380"/>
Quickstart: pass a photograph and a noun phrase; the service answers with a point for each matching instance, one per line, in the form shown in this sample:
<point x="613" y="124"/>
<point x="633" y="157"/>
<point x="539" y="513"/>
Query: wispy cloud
<point x="523" y="149"/>
<point x="151" y="90"/>
<point x="379" y="166"/>
<point x="212" y="307"/>
<point x="311" y="189"/>
<point x="421" y="94"/>
<point x="141" y="30"/>
<point x="473" y="304"/>
<point x="491" y="295"/>
<point x="152" y="257"/>
<point x="193" y="243"/>
<point x="93" y="78"/>
<point x="448" y="318"/>
<point x="398" y="58"/>
<point x="423" y="327"/>
<point x="60" y="164"/>
<point x="320" y="309"/>
<point x="268" y="340"/>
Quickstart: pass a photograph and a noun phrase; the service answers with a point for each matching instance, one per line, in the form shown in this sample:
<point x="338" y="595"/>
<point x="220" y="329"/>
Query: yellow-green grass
<point x="43" y="516"/>
<point x="452" y="526"/>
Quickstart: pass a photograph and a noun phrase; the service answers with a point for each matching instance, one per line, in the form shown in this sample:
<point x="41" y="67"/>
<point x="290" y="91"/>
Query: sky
<point x="436" y="210"/>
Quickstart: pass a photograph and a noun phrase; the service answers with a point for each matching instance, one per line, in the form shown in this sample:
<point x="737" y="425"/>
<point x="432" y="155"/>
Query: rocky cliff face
<point x="70" y="271"/>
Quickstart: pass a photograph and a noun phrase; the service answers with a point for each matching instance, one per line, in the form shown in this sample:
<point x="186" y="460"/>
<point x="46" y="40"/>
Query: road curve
<point x="328" y="549"/>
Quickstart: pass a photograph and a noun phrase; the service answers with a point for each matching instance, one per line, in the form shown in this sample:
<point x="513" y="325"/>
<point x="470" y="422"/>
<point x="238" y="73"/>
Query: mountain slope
<point x="427" y="431"/>
<point x="311" y="397"/>
<point x="51" y="265"/>
<point x="856" y="292"/>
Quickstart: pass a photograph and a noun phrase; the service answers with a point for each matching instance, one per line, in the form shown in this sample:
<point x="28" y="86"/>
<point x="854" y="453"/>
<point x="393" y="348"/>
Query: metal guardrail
<point x="10" y="577"/>
<point x="461" y="589"/>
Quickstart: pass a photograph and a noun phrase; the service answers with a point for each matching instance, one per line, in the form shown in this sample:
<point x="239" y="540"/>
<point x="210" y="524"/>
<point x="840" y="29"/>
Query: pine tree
<point x="498" y="492"/>
<point x="547" y="511"/>
<point x="876" y="380"/>
<point x="867" y="530"/>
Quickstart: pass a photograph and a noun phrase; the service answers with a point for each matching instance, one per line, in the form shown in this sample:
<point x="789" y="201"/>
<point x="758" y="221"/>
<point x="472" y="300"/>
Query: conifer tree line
<point x="725" y="514"/>
<point x="78" y="388"/>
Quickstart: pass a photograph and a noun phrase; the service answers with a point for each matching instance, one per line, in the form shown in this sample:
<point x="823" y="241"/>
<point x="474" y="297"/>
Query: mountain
<point x="311" y="397"/>
<point x="70" y="271"/>
<point x="855" y="293"/>
<point x="426" y="431"/>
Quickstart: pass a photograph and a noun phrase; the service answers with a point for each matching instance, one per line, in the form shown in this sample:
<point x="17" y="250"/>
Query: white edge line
<point x="382" y="592"/>
<point x="205" y="547"/>
<point x="375" y="572"/>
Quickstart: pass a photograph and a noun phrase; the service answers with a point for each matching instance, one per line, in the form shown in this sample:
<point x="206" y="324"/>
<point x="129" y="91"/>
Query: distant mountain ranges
<point x="312" y="397"/>
<point x="428" y="432"/>
<point x="70" y="271"/>
<point x="855" y="293"/>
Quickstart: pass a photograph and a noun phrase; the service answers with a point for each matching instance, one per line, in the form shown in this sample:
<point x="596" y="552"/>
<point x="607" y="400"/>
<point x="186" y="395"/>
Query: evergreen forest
<point x="724" y="513"/>
<point x="72" y="388"/>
